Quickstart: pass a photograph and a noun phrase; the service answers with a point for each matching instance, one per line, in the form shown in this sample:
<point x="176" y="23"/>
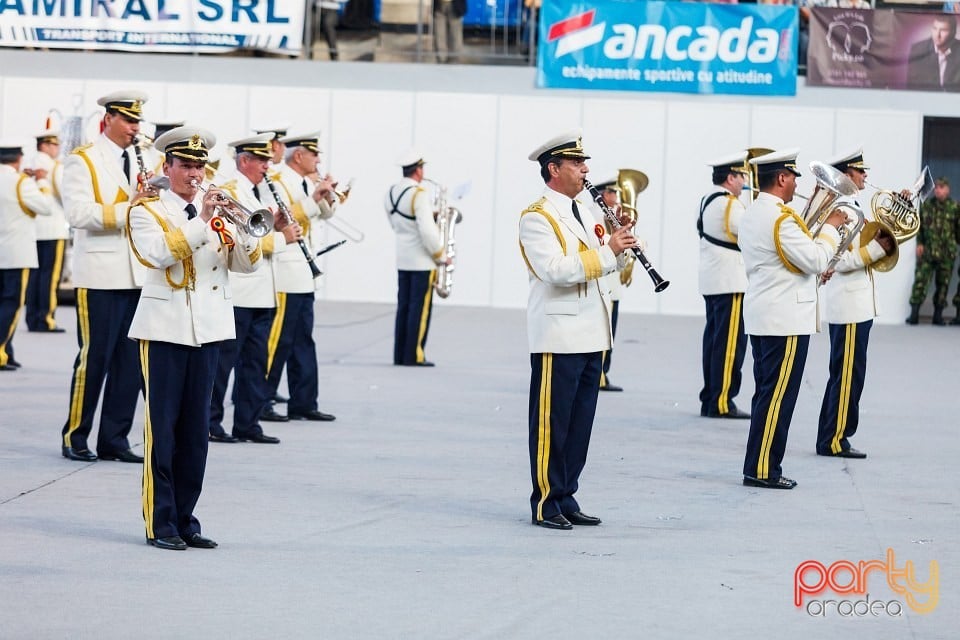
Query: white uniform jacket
<point x="21" y="203"/>
<point x="409" y="208"/>
<point x="850" y="296"/>
<point x="54" y="226"/>
<point x="256" y="290"/>
<point x="186" y="297"/>
<point x="783" y="264"/>
<point x="96" y="199"/>
<point x="568" y="309"/>
<point x="721" y="269"/>
<point x="293" y="272"/>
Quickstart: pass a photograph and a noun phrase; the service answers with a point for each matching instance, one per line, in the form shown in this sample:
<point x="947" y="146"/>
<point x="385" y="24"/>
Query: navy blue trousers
<point x="43" y="285"/>
<point x="291" y="344"/>
<point x="778" y="363"/>
<point x="13" y="284"/>
<point x="107" y="360"/>
<point x="563" y="402"/>
<point x="246" y="356"/>
<point x="724" y="346"/>
<point x="840" y="411"/>
<point x="178" y="381"/>
<point x="414" y="306"/>
<point x="608" y="355"/>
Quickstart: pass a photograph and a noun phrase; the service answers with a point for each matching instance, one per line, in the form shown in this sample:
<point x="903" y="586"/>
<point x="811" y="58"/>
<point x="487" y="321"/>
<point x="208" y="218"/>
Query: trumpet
<point x="254" y="223"/>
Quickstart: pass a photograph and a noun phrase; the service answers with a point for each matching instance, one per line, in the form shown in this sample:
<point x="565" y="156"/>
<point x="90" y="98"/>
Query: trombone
<point x="343" y="227"/>
<point x="254" y="223"/>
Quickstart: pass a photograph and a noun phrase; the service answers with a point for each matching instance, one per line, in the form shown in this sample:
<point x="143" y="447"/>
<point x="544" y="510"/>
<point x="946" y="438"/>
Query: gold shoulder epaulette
<point x="229" y="184"/>
<point x="275" y="175"/>
<point x="82" y="148"/>
<point x="536" y="206"/>
<point x="148" y="199"/>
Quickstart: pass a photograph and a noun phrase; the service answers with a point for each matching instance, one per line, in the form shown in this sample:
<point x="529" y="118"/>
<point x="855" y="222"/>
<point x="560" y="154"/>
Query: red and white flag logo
<point x="575" y="33"/>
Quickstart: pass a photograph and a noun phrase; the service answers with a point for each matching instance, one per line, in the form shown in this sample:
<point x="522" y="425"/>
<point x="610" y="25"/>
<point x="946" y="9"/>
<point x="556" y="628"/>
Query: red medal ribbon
<point x="599" y="231"/>
<point x="218" y="225"/>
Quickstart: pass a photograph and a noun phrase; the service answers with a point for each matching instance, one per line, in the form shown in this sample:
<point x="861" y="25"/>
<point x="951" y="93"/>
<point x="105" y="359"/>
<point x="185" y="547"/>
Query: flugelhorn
<point x="659" y="284"/>
<point x="254" y="223"/>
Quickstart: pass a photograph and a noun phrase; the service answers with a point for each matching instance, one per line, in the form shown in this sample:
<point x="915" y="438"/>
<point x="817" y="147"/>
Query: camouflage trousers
<point x="941" y="272"/>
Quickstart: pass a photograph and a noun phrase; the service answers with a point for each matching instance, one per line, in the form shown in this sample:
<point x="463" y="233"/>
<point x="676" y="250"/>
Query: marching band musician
<point x="277" y="147"/>
<point x="611" y="195"/>
<point x="291" y="336"/>
<point x="179" y="323"/>
<point x="850" y="305"/>
<point x="21" y="201"/>
<point x="779" y="309"/>
<point x="419" y="250"/>
<point x="567" y="253"/>
<point x="254" y="304"/>
<point x="153" y="157"/>
<point x="52" y="234"/>
<point x="722" y="281"/>
<point x="99" y="181"/>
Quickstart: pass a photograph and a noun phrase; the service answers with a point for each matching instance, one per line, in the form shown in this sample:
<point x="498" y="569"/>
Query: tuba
<point x="630" y="183"/>
<point x="897" y="216"/>
<point x="447" y="217"/>
<point x="832" y="184"/>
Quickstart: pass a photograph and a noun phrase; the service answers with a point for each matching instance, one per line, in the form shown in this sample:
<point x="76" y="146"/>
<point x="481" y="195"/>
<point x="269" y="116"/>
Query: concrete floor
<point x="408" y="516"/>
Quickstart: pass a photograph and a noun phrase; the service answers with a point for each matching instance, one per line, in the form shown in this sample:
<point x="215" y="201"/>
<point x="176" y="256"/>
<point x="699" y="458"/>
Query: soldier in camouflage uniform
<point x="936" y="251"/>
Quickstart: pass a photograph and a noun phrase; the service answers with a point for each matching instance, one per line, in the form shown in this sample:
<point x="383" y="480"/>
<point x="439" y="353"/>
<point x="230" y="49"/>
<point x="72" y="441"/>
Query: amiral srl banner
<point x="172" y="26"/>
<point x="687" y="47"/>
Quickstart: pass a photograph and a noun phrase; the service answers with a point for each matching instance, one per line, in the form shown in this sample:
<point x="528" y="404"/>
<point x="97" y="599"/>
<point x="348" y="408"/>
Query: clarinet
<point x="314" y="269"/>
<point x="141" y="165"/>
<point x="659" y="284"/>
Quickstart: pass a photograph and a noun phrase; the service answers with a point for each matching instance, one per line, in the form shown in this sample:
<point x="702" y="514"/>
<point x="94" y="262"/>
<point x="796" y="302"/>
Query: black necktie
<point x="256" y="193"/>
<point x="304" y="183"/>
<point x="576" y="214"/>
<point x="126" y="164"/>
<point x="191" y="211"/>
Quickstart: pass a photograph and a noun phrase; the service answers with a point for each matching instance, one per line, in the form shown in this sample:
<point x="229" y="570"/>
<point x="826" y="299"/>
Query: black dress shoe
<point x="425" y="363"/>
<point x="122" y="456"/>
<point x="733" y="414"/>
<point x="171" y="543"/>
<point x="846" y="453"/>
<point x="197" y="541"/>
<point x="80" y="455"/>
<point x="13" y="363"/>
<point x="269" y="415"/>
<point x="782" y="482"/>
<point x="260" y="438"/>
<point x="279" y="398"/>
<point x="222" y="437"/>
<point x="581" y="519"/>
<point x="553" y="522"/>
<point x="610" y="387"/>
<point x="7" y="367"/>
<point x="313" y="415"/>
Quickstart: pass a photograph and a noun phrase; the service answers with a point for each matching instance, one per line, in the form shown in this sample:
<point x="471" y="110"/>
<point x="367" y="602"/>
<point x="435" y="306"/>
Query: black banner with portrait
<point x="883" y="49"/>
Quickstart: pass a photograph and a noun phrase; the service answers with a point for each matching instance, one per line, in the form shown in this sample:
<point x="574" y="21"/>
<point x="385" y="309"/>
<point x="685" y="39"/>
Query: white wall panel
<point x="372" y="129"/>
<point x="27" y="103"/>
<point x="220" y="108"/>
<point x="631" y="136"/>
<point x="811" y="129"/>
<point x="524" y="124"/>
<point x="695" y="136"/>
<point x="453" y="134"/>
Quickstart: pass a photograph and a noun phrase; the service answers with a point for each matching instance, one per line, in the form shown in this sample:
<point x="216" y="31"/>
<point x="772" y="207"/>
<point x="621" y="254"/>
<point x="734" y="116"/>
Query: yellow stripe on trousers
<point x="55" y="283"/>
<point x="543" y="431"/>
<point x="425" y="315"/>
<point x="733" y="331"/>
<point x="773" y="411"/>
<point x="24" y="278"/>
<point x="275" y="330"/>
<point x="148" y="497"/>
<point x="80" y="372"/>
<point x="846" y="378"/>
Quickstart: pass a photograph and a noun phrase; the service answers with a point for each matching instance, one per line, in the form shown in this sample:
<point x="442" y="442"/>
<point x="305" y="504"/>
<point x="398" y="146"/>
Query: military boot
<point x="914" y="314"/>
<point x="938" y="316"/>
<point x="956" y="318"/>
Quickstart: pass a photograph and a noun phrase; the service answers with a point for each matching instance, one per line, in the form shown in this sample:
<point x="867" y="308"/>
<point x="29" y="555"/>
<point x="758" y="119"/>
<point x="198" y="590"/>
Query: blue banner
<point x="688" y="47"/>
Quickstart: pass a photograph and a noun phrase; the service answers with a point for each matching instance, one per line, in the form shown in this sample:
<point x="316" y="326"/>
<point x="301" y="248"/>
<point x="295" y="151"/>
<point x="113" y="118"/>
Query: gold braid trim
<point x="255" y="255"/>
<point x="537" y="207"/>
<point x="787" y="213"/>
<point x="591" y="264"/>
<point x="23" y="206"/>
<point x="267" y="244"/>
<point x="176" y="242"/>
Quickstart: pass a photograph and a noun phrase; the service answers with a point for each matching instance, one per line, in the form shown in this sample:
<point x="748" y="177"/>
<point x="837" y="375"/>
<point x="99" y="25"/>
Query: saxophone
<point x="447" y="218"/>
